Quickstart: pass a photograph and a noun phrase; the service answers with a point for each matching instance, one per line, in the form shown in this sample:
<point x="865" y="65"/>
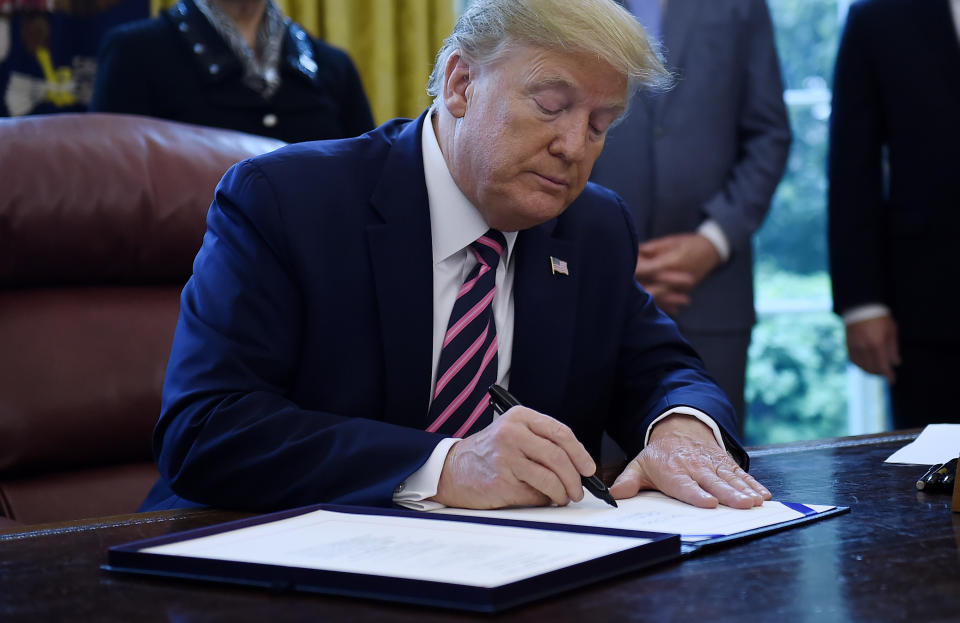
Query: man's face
<point x="528" y="129"/>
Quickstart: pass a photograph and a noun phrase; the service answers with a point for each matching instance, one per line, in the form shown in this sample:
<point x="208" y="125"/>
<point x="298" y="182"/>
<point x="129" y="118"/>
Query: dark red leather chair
<point x="100" y="218"/>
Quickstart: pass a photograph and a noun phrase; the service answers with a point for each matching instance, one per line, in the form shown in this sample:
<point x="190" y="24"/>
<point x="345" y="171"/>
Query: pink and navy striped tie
<point x="468" y="358"/>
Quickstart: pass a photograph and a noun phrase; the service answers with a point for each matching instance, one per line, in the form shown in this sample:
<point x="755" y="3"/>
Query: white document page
<point x="423" y="549"/>
<point x="937" y="443"/>
<point x="654" y="512"/>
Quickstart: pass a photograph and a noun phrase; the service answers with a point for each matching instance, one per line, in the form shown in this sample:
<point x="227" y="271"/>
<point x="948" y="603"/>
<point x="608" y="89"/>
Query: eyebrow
<point x="553" y="82"/>
<point x="561" y="83"/>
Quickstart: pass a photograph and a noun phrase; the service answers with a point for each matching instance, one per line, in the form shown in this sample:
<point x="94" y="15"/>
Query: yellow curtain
<point x="392" y="42"/>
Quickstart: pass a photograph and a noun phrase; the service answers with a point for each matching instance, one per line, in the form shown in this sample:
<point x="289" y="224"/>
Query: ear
<point x="456" y="78"/>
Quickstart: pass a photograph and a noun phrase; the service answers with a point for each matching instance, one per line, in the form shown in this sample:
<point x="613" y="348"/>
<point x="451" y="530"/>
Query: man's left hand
<point x="683" y="460"/>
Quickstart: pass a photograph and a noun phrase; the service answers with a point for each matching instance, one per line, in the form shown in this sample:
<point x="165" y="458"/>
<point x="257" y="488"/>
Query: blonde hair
<point x="488" y="28"/>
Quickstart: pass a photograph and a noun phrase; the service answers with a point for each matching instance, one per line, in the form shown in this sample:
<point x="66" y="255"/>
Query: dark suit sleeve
<point x="740" y="206"/>
<point x="355" y="115"/>
<point x="659" y="371"/>
<point x="122" y="83"/>
<point x="229" y="435"/>
<point x="855" y="172"/>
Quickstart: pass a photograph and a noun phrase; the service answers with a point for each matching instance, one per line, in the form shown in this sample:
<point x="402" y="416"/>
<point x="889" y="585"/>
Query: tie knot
<point x="489" y="247"/>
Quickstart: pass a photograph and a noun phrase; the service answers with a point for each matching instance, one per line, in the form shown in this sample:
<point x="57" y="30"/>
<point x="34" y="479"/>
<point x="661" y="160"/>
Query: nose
<point x="572" y="137"/>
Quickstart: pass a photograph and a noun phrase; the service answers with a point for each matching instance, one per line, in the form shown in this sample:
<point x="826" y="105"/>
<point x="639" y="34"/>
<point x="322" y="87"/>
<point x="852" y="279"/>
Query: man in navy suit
<point x="894" y="199"/>
<point x="312" y="330"/>
<point x="698" y="165"/>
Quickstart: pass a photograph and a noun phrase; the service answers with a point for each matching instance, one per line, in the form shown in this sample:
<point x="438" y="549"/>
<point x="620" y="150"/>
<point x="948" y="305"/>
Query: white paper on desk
<point x="464" y="553"/>
<point x="653" y="511"/>
<point x="937" y="443"/>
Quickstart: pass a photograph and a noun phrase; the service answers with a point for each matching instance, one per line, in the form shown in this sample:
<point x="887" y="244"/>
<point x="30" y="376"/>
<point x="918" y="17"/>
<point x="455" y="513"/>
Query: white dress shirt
<point x="455" y="223"/>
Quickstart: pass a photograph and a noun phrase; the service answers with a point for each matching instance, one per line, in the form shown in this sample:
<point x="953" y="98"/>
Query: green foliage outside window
<point x="796" y="377"/>
<point x="796" y="380"/>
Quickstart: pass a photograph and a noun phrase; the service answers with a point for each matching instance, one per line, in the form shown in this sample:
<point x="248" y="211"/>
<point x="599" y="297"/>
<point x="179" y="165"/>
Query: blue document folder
<point x="242" y="552"/>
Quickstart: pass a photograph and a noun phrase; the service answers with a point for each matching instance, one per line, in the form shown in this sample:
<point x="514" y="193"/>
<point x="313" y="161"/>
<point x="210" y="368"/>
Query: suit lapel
<point x="544" y="318"/>
<point x="402" y="259"/>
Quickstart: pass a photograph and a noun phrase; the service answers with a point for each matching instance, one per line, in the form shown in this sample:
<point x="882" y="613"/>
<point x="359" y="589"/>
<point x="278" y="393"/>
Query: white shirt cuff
<point x="413" y="492"/>
<point x="865" y="312"/>
<point x="700" y="415"/>
<point x="712" y="232"/>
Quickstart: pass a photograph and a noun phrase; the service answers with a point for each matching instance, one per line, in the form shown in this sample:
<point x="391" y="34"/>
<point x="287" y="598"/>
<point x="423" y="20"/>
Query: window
<point x="800" y="384"/>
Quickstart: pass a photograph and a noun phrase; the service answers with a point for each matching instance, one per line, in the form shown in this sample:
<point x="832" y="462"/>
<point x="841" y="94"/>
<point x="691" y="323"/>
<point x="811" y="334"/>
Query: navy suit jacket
<point x="300" y="369"/>
<point x="712" y="147"/>
<point x="894" y="207"/>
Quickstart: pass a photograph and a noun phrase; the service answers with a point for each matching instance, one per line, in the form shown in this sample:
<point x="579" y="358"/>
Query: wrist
<point x="682" y="425"/>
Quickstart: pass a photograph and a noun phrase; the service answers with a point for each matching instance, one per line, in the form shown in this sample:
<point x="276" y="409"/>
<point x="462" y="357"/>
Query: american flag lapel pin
<point x="558" y="266"/>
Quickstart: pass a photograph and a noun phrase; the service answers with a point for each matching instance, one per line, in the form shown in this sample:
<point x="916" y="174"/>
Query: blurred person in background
<point x="237" y="64"/>
<point x="698" y="165"/>
<point x="894" y="199"/>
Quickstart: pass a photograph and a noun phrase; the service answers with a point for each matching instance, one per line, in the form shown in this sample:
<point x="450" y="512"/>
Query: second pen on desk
<point x="502" y="400"/>
<point x="939" y="478"/>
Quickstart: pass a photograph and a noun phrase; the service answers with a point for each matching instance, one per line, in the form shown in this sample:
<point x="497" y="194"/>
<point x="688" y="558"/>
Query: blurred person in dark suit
<point x="238" y="64"/>
<point x="698" y="165"/>
<point x="894" y="199"/>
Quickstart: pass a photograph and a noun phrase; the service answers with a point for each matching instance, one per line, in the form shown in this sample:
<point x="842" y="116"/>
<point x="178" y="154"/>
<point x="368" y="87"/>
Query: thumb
<point x="630" y="481"/>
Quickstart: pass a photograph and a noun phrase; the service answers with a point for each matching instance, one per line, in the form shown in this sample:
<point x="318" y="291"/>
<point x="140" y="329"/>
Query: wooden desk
<point x="895" y="557"/>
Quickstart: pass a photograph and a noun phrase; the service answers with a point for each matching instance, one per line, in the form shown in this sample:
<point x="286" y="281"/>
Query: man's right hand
<point x="523" y="458"/>
<point x="872" y="345"/>
<point x="670" y="267"/>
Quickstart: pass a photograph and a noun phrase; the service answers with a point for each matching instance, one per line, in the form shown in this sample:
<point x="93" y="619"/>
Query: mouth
<point x="553" y="182"/>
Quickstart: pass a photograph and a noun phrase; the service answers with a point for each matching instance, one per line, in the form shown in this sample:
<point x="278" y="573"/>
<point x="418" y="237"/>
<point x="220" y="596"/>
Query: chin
<point x="525" y="209"/>
<point x="531" y="218"/>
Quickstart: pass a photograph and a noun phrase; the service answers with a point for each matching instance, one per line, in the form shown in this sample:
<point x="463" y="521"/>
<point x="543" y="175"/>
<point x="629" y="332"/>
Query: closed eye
<point x="548" y="111"/>
<point x="596" y="130"/>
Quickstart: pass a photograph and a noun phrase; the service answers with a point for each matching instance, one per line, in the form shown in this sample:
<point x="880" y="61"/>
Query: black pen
<point x="924" y="480"/>
<point x="502" y="400"/>
<point x="939" y="478"/>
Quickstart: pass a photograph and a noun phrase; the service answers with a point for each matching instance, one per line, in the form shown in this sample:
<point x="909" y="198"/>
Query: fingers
<point x="677" y="485"/>
<point x="646" y="270"/>
<point x="524" y="457"/>
<point x="678" y="280"/>
<point x="663" y="270"/>
<point x="691" y="255"/>
<point x="753" y="483"/>
<point x="683" y="461"/>
<point x="670" y="301"/>
<point x="629" y="482"/>
<point x="652" y="258"/>
<point x="551" y="455"/>
<point x="873" y="358"/>
<point x="687" y="490"/>
<point x="656" y="246"/>
<point x="670" y="286"/>
<point x="559" y="489"/>
<point x="559" y="434"/>
<point x="725" y="481"/>
<point x="872" y="345"/>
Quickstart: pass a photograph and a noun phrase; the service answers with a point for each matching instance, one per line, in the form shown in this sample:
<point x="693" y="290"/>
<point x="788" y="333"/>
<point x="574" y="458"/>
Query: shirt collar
<point x="454" y="221"/>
